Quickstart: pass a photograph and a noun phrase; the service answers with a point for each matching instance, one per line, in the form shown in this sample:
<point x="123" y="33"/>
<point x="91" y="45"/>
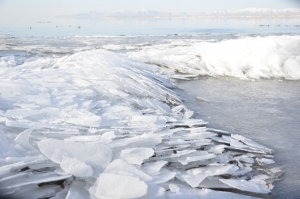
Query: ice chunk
<point x="245" y="185"/>
<point x="154" y="168"/>
<point x="23" y="139"/>
<point x="136" y="155"/>
<point x="118" y="166"/>
<point x="195" y="176"/>
<point x="265" y="161"/>
<point x="98" y="156"/>
<point x="112" y="186"/>
<point x="76" y="167"/>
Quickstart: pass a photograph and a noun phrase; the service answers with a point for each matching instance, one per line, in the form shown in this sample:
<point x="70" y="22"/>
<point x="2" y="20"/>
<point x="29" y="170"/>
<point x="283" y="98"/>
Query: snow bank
<point x="97" y="124"/>
<point x="245" y="58"/>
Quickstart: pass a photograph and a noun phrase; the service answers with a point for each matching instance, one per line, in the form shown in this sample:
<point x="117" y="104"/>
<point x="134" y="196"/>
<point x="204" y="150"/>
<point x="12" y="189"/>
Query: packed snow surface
<point x="245" y="58"/>
<point x="96" y="124"/>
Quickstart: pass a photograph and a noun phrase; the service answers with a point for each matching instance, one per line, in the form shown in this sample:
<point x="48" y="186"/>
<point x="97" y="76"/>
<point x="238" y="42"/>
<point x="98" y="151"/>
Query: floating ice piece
<point x="245" y="185"/>
<point x="136" y="155"/>
<point x="112" y="186"/>
<point x="98" y="156"/>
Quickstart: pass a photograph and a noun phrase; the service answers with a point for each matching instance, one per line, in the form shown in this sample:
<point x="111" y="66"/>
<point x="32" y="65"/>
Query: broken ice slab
<point x="136" y="155"/>
<point x="15" y="167"/>
<point x="196" y="157"/>
<point x="76" y="167"/>
<point x="144" y="140"/>
<point x="23" y="139"/>
<point x="118" y="186"/>
<point x="154" y="167"/>
<point x="164" y="175"/>
<point x="251" y="143"/>
<point x="195" y="176"/>
<point x="33" y="191"/>
<point x="190" y="123"/>
<point x="218" y="131"/>
<point x="184" y="141"/>
<point x="67" y="153"/>
<point x="245" y="185"/>
<point x="264" y="161"/>
<point x="199" y="135"/>
<point x="181" y="191"/>
<point x="36" y="179"/>
<point x="118" y="166"/>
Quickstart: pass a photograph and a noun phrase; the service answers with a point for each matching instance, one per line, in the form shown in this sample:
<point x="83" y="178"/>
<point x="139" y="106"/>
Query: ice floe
<point x="96" y="124"/>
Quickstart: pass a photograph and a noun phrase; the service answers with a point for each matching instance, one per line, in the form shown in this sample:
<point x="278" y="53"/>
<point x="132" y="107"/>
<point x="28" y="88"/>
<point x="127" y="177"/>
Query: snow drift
<point x="245" y="58"/>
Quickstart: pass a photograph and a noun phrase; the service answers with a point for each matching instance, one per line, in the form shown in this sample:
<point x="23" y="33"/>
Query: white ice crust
<point x="97" y="124"/>
<point x="245" y="58"/>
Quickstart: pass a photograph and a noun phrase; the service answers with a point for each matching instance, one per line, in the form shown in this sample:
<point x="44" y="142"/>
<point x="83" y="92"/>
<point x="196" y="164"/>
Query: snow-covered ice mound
<point x="245" y="58"/>
<point x="97" y="124"/>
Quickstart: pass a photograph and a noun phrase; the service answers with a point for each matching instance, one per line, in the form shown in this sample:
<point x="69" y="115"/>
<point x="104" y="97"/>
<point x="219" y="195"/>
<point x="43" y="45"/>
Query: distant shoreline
<point x="189" y="16"/>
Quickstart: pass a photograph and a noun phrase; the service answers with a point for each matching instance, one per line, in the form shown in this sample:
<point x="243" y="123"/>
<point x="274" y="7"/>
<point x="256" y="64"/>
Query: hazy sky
<point x="47" y="8"/>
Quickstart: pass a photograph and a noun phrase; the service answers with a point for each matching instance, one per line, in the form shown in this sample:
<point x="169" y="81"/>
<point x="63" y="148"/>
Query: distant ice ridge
<point x="245" y="58"/>
<point x="96" y="124"/>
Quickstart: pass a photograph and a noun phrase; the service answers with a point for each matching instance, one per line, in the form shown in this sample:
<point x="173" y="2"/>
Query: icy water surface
<point x="266" y="111"/>
<point x="56" y="26"/>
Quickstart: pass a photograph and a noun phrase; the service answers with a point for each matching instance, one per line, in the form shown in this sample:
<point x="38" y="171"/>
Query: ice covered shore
<point x="96" y="124"/>
<point x="245" y="58"/>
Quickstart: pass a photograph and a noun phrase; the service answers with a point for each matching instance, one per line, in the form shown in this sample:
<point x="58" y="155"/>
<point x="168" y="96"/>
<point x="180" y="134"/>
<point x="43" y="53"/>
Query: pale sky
<point x="47" y="8"/>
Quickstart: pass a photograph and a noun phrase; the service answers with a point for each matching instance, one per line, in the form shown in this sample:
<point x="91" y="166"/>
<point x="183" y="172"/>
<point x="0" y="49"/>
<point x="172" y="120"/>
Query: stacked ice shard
<point x="96" y="124"/>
